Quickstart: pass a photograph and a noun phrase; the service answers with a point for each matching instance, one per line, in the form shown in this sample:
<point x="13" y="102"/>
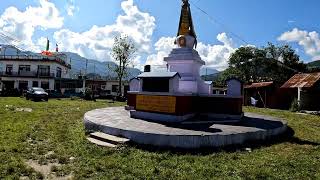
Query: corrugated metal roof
<point x="303" y="80"/>
<point x="258" y="85"/>
<point x="158" y="74"/>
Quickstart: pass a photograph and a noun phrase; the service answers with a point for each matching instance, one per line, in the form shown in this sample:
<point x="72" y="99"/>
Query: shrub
<point x="88" y="94"/>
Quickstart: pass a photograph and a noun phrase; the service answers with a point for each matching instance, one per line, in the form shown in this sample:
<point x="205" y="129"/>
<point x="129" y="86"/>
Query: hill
<point x="314" y="63"/>
<point x="78" y="64"/>
<point x="313" y="66"/>
<point x="208" y="71"/>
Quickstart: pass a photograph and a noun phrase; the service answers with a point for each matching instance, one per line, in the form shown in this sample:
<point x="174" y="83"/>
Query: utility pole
<point x="85" y="76"/>
<point x="94" y="75"/>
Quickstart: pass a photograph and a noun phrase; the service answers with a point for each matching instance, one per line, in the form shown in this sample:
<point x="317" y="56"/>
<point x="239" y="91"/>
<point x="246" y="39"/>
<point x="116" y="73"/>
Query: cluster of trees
<point x="270" y="63"/>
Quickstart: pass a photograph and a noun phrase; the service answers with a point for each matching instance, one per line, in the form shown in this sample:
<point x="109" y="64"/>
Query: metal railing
<point x="34" y="58"/>
<point x="26" y="74"/>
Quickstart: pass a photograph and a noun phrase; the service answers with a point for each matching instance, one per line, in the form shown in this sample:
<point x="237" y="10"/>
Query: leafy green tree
<point x="286" y="55"/>
<point x="221" y="78"/>
<point x="270" y="63"/>
<point x="243" y="60"/>
<point x="123" y="51"/>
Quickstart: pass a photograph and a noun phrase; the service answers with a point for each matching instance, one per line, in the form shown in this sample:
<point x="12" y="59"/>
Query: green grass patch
<point x="53" y="133"/>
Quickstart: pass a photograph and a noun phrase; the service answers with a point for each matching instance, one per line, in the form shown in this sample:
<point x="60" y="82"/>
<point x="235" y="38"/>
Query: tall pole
<point x="85" y="76"/>
<point x="86" y="67"/>
<point x="94" y="75"/>
<point x="94" y="70"/>
<point x="299" y="96"/>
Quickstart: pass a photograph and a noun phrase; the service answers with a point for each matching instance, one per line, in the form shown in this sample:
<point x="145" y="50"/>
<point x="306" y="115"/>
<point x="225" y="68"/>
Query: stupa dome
<point x="185" y="41"/>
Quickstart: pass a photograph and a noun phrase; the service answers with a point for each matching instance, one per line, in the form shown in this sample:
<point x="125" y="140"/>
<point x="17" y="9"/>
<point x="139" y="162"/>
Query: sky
<point x="89" y="27"/>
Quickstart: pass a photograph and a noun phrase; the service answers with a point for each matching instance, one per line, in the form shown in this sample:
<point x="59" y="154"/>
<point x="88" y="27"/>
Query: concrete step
<point x="108" y="138"/>
<point x="101" y="143"/>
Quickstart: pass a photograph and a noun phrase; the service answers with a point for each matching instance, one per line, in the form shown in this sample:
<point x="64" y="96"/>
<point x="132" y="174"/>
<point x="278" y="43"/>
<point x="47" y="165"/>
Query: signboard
<point x="162" y="104"/>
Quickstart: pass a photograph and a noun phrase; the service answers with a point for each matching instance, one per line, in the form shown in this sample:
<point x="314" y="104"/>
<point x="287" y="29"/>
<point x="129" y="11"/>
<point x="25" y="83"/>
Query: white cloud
<point x="71" y="7"/>
<point x="97" y="42"/>
<point x="215" y="56"/>
<point x="310" y="41"/>
<point x="136" y="63"/>
<point x="22" y="24"/>
<point x="163" y="47"/>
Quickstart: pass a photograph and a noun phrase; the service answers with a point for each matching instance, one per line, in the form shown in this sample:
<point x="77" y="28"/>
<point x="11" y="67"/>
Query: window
<point x="24" y="69"/>
<point x="9" y="69"/>
<point x="35" y="84"/>
<point x="115" y="88"/>
<point x="103" y="86"/>
<point x="43" y="70"/>
<point x="44" y="84"/>
<point x="58" y="73"/>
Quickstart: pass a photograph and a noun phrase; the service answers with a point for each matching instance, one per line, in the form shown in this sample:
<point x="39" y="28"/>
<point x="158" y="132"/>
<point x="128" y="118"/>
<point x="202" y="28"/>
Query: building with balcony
<point x="23" y="71"/>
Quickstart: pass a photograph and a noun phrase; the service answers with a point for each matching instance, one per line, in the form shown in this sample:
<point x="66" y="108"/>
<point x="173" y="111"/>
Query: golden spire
<point x="185" y="23"/>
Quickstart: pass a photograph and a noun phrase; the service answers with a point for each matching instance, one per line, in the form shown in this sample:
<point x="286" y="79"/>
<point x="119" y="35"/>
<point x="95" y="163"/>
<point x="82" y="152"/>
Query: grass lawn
<point x="53" y="133"/>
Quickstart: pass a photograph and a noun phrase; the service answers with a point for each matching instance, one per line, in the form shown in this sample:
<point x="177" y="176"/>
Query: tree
<point x="286" y="55"/>
<point x="242" y="62"/>
<point x="270" y="63"/>
<point x="231" y="72"/>
<point x="123" y="51"/>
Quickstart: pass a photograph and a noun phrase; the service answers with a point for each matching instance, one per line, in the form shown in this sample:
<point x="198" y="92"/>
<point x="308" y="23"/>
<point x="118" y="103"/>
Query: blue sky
<point x="155" y="24"/>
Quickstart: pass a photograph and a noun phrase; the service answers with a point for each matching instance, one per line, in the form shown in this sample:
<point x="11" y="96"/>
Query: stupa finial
<point x="185" y="24"/>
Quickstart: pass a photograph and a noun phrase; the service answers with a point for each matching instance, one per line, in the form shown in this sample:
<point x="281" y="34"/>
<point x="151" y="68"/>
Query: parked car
<point x="54" y="94"/>
<point x="105" y="94"/>
<point x="72" y="93"/>
<point x="36" y="93"/>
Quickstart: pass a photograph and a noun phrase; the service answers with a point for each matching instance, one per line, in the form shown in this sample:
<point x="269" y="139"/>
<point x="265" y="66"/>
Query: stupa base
<point x="190" y="134"/>
<point x="158" y="117"/>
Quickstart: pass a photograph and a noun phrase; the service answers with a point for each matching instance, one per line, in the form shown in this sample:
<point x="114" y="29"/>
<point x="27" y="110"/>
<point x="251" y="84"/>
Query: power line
<point x="10" y="39"/>
<point x="214" y="21"/>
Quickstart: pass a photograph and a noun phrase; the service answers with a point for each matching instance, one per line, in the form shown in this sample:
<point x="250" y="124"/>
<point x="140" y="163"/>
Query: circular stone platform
<point x="116" y="121"/>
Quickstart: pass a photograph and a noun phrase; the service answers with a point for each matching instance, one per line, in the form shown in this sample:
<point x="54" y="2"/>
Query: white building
<point x="21" y="71"/>
<point x="107" y="87"/>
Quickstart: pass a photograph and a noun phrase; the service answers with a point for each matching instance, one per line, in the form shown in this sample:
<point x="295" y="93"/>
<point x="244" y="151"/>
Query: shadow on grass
<point x="287" y="136"/>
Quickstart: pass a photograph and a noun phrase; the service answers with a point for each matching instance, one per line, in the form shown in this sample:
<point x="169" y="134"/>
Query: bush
<point x="294" y="105"/>
<point x="88" y="94"/>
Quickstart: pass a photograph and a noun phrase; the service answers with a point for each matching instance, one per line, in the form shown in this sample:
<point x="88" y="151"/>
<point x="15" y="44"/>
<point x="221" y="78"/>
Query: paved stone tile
<point x="117" y="121"/>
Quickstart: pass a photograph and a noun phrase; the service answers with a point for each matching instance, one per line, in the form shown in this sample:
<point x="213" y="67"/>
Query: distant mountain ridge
<point x="208" y="71"/>
<point x="314" y="66"/>
<point x="78" y="64"/>
<point x="315" y="63"/>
